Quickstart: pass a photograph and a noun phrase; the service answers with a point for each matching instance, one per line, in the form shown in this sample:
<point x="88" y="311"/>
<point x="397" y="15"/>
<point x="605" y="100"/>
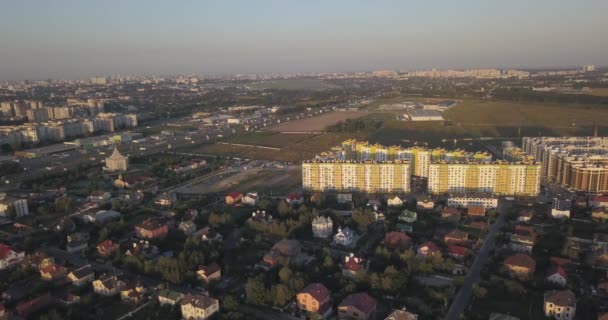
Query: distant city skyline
<point x="78" y="39"/>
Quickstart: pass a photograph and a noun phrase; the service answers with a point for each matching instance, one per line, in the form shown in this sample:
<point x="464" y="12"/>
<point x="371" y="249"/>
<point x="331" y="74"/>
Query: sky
<point x="80" y="38"/>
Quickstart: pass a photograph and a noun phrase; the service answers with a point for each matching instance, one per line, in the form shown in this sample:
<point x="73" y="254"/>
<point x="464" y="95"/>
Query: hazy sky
<point x="80" y="38"/>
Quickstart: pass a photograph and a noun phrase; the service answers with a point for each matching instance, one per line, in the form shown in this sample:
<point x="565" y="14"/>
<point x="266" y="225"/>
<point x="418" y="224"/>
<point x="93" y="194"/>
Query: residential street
<point x="461" y="300"/>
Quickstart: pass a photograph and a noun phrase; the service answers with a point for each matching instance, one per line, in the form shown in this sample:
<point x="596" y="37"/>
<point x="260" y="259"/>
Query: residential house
<point x="397" y="240"/>
<point x="198" y="307"/>
<point x="428" y="250"/>
<point x="142" y="248"/>
<point x="191" y="214"/>
<point x="451" y="215"/>
<point x="353" y="265"/>
<point x="322" y="227"/>
<point x="457" y="252"/>
<point x="523" y="239"/>
<point x="357" y="306"/>
<point x="107" y="285"/>
<point x="152" y="229"/>
<point x="378" y="216"/>
<point x="81" y="276"/>
<point x="557" y="275"/>
<point x="314" y="299"/>
<point x="283" y="251"/>
<point x="345" y="237"/>
<point x="208" y="273"/>
<point x="425" y="203"/>
<point x="520" y="265"/>
<point x="250" y="199"/>
<point x="260" y="216"/>
<point x="401" y="315"/>
<point x="101" y="216"/>
<point x="395" y="201"/>
<point x="187" y="227"/>
<point x="165" y="199"/>
<point x="107" y="248"/>
<point x="598" y="201"/>
<point x="600" y="214"/>
<point x="478" y="225"/>
<point x="37" y="259"/>
<point x="294" y="198"/>
<point x="456" y="237"/>
<point x="408" y="216"/>
<point x="99" y="196"/>
<point x="9" y="256"/>
<point x="233" y="198"/>
<point x="209" y="234"/>
<point x="53" y="272"/>
<point x="560" y="304"/>
<point x="476" y="211"/>
<point x="133" y="292"/>
<point x="169" y="297"/>
<point x="525" y="215"/>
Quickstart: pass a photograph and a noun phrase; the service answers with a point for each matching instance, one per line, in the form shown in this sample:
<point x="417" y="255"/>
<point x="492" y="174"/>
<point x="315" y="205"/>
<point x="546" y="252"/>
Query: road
<point x="463" y="296"/>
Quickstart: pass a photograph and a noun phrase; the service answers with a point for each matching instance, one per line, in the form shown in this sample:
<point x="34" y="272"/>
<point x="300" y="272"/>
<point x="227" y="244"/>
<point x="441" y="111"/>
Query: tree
<point x="255" y="291"/>
<point x="285" y="274"/>
<point x="479" y="292"/>
<point x="169" y="269"/>
<point x="281" y="294"/>
<point x="328" y="262"/>
<point x="230" y="303"/>
<point x="283" y="209"/>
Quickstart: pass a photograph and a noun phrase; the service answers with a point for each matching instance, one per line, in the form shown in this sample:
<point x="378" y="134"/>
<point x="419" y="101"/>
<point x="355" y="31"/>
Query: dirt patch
<point x="315" y="124"/>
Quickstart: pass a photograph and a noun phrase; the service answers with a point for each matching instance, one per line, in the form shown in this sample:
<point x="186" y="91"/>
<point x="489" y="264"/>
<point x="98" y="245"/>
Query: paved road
<point x="463" y="296"/>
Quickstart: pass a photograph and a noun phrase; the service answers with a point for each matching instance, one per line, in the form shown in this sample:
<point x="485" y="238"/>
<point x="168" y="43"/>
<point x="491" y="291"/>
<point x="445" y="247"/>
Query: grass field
<point x="315" y="124"/>
<point x="294" y="84"/>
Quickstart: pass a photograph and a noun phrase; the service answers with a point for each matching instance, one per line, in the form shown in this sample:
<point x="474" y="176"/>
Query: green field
<point x="293" y="84"/>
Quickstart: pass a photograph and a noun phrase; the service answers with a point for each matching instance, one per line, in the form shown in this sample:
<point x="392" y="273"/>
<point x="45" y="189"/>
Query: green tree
<point x="479" y="292"/>
<point x="285" y="274"/>
<point x="255" y="291"/>
<point x="281" y="294"/>
<point x="230" y="303"/>
<point x="283" y="209"/>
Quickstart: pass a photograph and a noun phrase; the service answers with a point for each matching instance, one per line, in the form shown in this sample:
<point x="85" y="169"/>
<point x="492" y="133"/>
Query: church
<point x="116" y="162"/>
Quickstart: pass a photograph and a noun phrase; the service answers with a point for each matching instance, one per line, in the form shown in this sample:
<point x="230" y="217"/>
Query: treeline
<point x="354" y="125"/>
<point x="527" y="95"/>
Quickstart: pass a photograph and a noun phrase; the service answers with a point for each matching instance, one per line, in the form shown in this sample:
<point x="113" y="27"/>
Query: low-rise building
<point x="314" y="299"/>
<point x="81" y="276"/>
<point x="525" y="215"/>
<point x="408" y="216"/>
<point x="233" y="198"/>
<point x="487" y="202"/>
<point x="520" y="265"/>
<point x="210" y="272"/>
<point x="429" y="250"/>
<point x="456" y="237"/>
<point x="198" y="307"/>
<point x="397" y="240"/>
<point x="523" y="239"/>
<point x="152" y="229"/>
<point x="476" y="211"/>
<point x="322" y="227"/>
<point x="107" y="248"/>
<point x="451" y="215"/>
<point x="169" y="297"/>
<point x="345" y="237"/>
<point x="187" y="227"/>
<point x="53" y="272"/>
<point x="557" y="275"/>
<point x="394" y="201"/>
<point x="560" y="208"/>
<point x="250" y="199"/>
<point x="560" y="304"/>
<point x="107" y="285"/>
<point x="9" y="256"/>
<point x="353" y="265"/>
<point x="357" y="306"/>
<point x="425" y="203"/>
